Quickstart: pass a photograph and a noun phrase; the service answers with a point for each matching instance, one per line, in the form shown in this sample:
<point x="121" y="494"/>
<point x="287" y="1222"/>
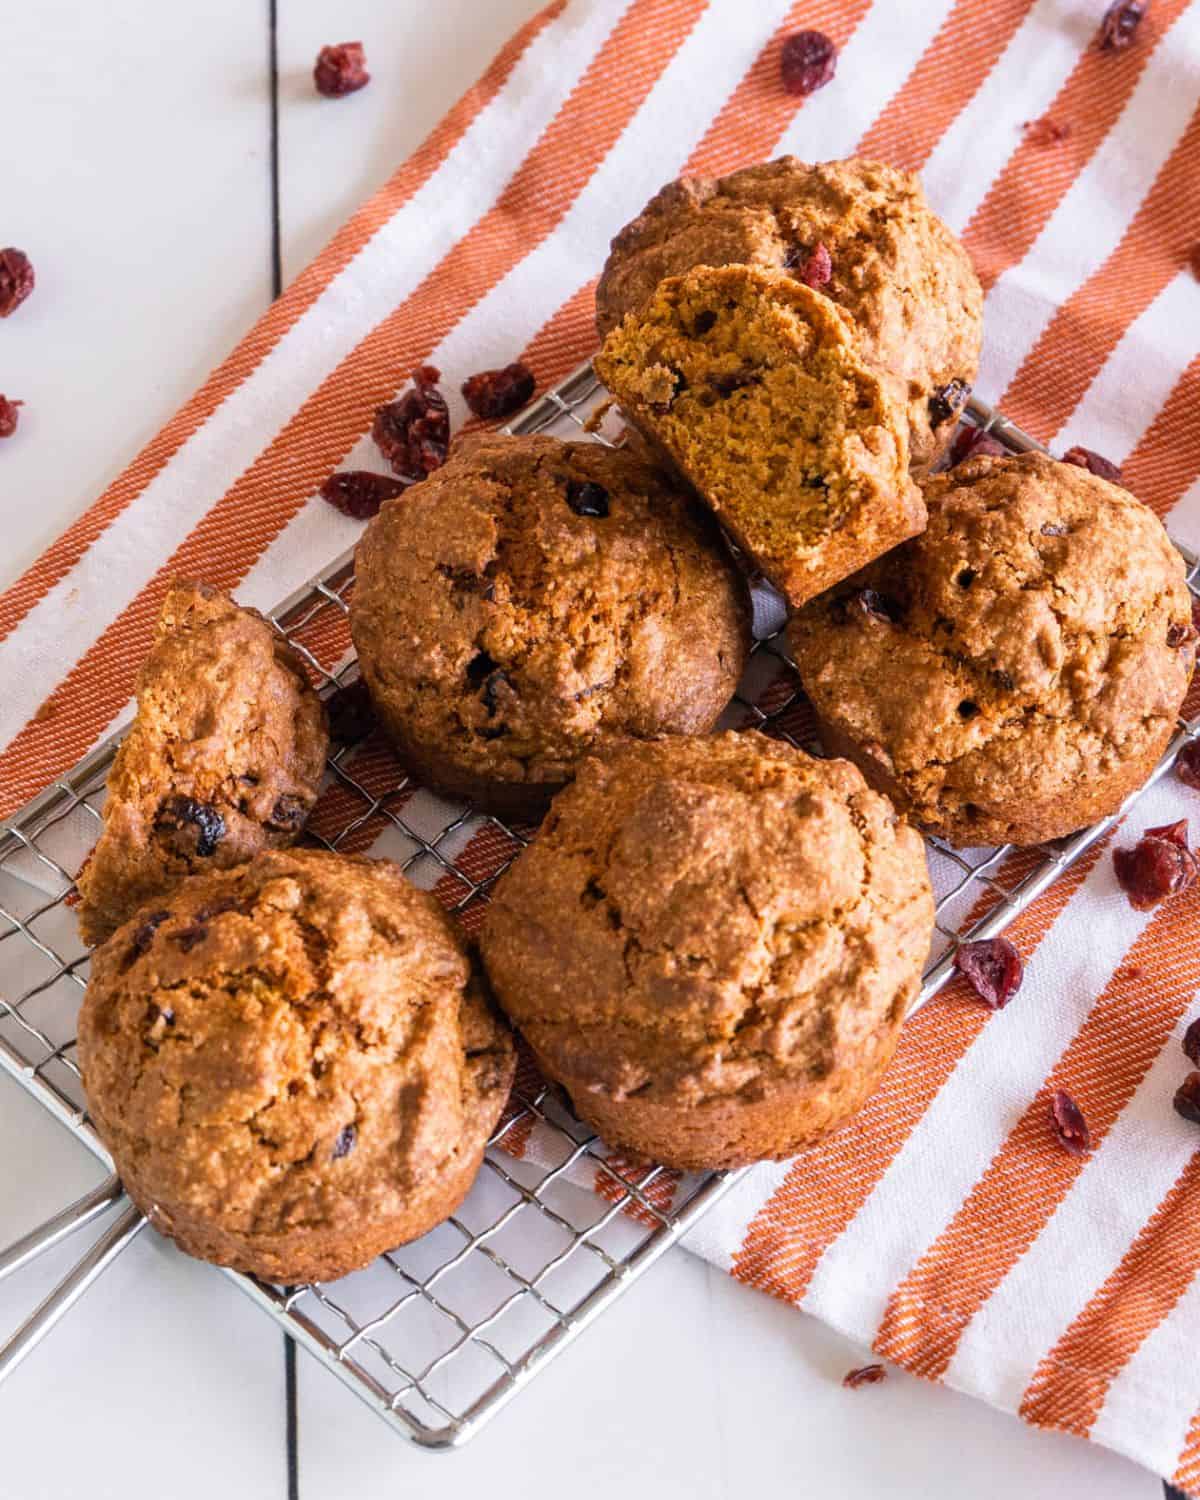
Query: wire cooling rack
<point x="437" y="1336"/>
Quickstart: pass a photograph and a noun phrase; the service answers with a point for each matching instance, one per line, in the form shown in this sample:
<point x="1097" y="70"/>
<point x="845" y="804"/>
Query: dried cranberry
<point x="1187" y="765"/>
<point x="16" y="279"/>
<point x="973" y="442"/>
<point x="177" y="813"/>
<point x="359" y="493"/>
<point x="813" y="267"/>
<point x="993" y="968"/>
<point x="1069" y="1125"/>
<point x="340" y="70"/>
<point x="499" y="393"/>
<point x="1159" y="865"/>
<point x="878" y="606"/>
<point x="288" y="814"/>
<point x="191" y="936"/>
<point x="346" y="1138"/>
<point x="1191" y="1042"/>
<point x="807" y="62"/>
<point x="1046" y="131"/>
<point x="8" y="416"/>
<point x="413" y="432"/>
<point x="143" y="933"/>
<point x="1187" y="1098"/>
<point x="1120" y="24"/>
<point x="1094" y="463"/>
<point x="864" y="1375"/>
<point x="587" y="498"/>
<point x="947" y="401"/>
<point x="351" y="713"/>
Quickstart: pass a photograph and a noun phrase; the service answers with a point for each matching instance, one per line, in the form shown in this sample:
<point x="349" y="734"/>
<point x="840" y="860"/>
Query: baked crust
<point x="292" y="1064"/>
<point x="905" y="280"/>
<point x="503" y="633"/>
<point x="1016" y="671"/>
<point x="224" y="758"/>
<point x="712" y="944"/>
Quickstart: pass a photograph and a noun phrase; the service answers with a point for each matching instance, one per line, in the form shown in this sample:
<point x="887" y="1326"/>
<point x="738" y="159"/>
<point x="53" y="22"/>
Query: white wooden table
<point x="136" y="172"/>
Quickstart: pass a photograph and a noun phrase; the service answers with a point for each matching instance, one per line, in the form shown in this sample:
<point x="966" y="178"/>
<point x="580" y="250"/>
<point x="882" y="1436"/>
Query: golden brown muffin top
<point x="905" y="280"/>
<point x="297" y="1043"/>
<point x="708" y="918"/>
<point x="1034" y="638"/>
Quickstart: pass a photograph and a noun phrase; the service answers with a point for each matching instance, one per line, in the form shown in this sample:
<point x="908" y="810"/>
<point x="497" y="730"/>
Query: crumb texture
<point x="292" y="1064"/>
<point x="1013" y="673"/>
<point x="534" y="598"/>
<point x="905" y="280"/>
<point x="712" y="944"/>
<point x="753" y="385"/>
<point x="224" y="757"/>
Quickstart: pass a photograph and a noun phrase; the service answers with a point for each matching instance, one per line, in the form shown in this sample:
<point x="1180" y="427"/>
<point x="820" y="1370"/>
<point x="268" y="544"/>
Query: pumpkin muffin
<point x="905" y="280"/>
<point x="1015" y="672"/>
<point x="532" y="599"/>
<point x="224" y="757"/>
<point x="712" y="944"/>
<point x="754" y="387"/>
<point x="292" y="1064"/>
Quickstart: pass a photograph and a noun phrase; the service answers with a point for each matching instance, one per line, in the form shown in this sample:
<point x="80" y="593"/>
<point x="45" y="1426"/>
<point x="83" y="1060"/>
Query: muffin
<point x="531" y="600"/>
<point x="905" y="280"/>
<point x="223" y="759"/>
<point x="753" y="385"/>
<point x="712" y="944"/>
<point x="292" y="1064"/>
<point x="1014" y="673"/>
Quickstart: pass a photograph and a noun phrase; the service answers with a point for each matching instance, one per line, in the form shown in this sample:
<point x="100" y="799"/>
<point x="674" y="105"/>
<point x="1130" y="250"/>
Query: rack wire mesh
<point x="437" y="1336"/>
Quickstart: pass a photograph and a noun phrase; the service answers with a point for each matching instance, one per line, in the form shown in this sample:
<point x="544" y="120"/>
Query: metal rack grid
<point x="437" y="1336"/>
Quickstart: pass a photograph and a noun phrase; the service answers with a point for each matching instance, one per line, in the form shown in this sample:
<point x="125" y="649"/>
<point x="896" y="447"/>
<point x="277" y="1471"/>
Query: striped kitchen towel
<point x="943" y="1226"/>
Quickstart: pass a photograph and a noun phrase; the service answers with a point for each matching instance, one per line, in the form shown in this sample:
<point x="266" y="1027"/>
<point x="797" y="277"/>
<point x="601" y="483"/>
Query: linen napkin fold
<point x="943" y="1226"/>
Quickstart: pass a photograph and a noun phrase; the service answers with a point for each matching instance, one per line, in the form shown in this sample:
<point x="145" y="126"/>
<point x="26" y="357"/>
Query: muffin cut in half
<point x="531" y="600"/>
<point x="862" y="233"/>
<point x="292" y="1064"/>
<point x="1011" y="675"/>
<point x="712" y="944"/>
<point x="224" y="758"/>
<point x="753" y="385"/>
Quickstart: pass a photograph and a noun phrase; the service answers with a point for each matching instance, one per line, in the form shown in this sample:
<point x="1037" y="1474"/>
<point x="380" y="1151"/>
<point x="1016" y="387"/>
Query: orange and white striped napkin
<point x="943" y="1226"/>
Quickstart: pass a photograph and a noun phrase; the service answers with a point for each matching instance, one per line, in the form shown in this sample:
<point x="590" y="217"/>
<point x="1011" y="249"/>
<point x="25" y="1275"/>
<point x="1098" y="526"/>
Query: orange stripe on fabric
<point x="1164" y="465"/>
<point x="828" y="1184"/>
<point x="1108" y="1057"/>
<point x="58" y="559"/>
<point x="1088" y="326"/>
<point x="951" y="69"/>
<point x="1036" y="178"/>
<point x="234" y="533"/>
<point x="1071" y="1383"/>
<point x="1187" y="1475"/>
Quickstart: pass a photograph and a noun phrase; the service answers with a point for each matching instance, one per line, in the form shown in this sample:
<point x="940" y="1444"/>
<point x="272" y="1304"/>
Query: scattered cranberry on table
<point x="1159" y="865"/>
<point x="16" y="279"/>
<point x="1187" y="765"/>
<point x="341" y="70"/>
<point x="864" y="1375"/>
<point x="1191" y="1042"/>
<point x="993" y="968"/>
<point x="8" y="416"/>
<point x="359" y="493"/>
<point x="1187" y="1098"/>
<point x="1046" y="131"/>
<point x="499" y="393"/>
<point x="1119" y="26"/>
<point x="807" y="62"/>
<point x="1094" y="463"/>
<point x="1069" y="1125"/>
<point x="413" y="432"/>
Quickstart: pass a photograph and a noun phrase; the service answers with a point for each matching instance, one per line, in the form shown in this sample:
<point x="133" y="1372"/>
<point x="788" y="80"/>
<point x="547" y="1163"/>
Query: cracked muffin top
<point x="755" y="388"/>
<point x="905" y="280"/>
<point x="712" y="921"/>
<point x="224" y="757"/>
<point x="1014" y="672"/>
<point x="291" y="1063"/>
<point x="533" y="598"/>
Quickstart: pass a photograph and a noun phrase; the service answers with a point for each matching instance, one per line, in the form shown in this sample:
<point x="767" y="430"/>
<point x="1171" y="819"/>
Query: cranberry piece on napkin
<point x="359" y="493"/>
<point x="864" y="1375"/>
<point x="499" y="393"/>
<point x="1187" y="1098"/>
<point x="1159" y="865"/>
<point x="1120" y="24"/>
<point x="993" y="968"/>
<point x="16" y="279"/>
<point x="808" y="61"/>
<point x="413" y="432"/>
<point x="8" y="416"/>
<point x="340" y="70"/>
<point x="1069" y="1125"/>
<point x="1094" y="463"/>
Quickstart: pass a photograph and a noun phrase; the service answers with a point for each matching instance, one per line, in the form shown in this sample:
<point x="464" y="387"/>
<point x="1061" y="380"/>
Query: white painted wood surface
<point x="135" y="172"/>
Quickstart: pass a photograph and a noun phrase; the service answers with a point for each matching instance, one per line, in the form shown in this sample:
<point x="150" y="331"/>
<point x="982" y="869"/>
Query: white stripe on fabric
<point x="60" y="628"/>
<point x="978" y="1106"/>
